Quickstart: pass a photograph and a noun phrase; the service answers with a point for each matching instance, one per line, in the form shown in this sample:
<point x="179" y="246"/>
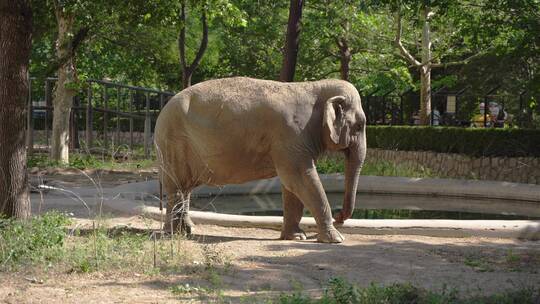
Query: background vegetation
<point x="475" y="44"/>
<point x="473" y="142"/>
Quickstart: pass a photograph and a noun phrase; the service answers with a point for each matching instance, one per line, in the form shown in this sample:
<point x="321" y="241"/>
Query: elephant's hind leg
<point x="178" y="214"/>
<point x="178" y="201"/>
<point x="293" y="209"/>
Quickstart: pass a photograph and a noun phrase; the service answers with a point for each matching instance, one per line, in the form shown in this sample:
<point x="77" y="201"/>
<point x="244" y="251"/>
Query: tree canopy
<point x="475" y="44"/>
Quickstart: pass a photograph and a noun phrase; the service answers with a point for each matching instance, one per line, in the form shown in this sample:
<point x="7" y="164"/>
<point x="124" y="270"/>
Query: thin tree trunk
<point x="15" y="46"/>
<point x="344" y="58"/>
<point x="425" y="95"/>
<point x="64" y="90"/>
<point x="292" y="40"/>
<point x="425" y="71"/>
<point x="188" y="69"/>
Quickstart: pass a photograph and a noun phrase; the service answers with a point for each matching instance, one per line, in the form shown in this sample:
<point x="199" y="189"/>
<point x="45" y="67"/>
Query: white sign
<point x="451" y="104"/>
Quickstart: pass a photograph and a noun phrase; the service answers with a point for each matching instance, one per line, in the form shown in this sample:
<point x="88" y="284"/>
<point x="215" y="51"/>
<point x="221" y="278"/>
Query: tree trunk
<point x="425" y="95"/>
<point x="292" y="40"/>
<point x="15" y="46"/>
<point x="188" y="69"/>
<point x="425" y="71"/>
<point x="344" y="58"/>
<point x="64" y="90"/>
<point x="186" y="78"/>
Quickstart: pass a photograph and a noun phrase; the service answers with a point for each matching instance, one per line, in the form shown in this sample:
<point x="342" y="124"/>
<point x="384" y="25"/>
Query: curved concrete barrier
<point x="367" y="184"/>
<point x="524" y="229"/>
<point x="519" y="229"/>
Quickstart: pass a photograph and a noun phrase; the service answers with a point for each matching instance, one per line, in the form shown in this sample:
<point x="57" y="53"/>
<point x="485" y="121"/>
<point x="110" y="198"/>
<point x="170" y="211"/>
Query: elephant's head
<point x="344" y="129"/>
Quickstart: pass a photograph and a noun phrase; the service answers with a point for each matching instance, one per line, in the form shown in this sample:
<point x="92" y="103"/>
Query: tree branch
<point x="460" y="62"/>
<point x="204" y="42"/>
<point x="400" y="46"/>
<point x="182" y="36"/>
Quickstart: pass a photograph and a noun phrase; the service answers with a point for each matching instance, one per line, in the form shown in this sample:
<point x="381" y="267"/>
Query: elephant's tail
<point x="160" y="195"/>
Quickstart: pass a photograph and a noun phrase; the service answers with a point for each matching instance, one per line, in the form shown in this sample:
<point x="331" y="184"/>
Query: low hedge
<point x="469" y="141"/>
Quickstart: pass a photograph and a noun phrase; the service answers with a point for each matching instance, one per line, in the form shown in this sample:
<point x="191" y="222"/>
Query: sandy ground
<point x="259" y="264"/>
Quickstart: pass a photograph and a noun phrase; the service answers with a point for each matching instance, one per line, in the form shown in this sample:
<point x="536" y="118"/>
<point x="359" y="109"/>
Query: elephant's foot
<point x="293" y="234"/>
<point x="330" y="235"/>
<point x="185" y="226"/>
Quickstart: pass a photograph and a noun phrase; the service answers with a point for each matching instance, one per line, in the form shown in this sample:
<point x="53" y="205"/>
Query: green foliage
<point x="327" y="165"/>
<point x="88" y="161"/>
<point x="468" y="141"/>
<point x="340" y="291"/>
<point x="39" y="240"/>
<point x="44" y="241"/>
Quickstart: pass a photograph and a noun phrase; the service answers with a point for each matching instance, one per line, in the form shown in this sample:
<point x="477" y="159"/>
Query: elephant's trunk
<point x="354" y="159"/>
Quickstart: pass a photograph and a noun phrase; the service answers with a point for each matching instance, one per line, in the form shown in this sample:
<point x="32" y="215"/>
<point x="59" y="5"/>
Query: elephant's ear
<point x="334" y="117"/>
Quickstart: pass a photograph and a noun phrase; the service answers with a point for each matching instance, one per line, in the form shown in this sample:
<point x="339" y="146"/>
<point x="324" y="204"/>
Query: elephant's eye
<point x="358" y="127"/>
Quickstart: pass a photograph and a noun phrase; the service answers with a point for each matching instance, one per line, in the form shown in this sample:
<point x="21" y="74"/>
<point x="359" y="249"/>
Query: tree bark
<point x="15" y="47"/>
<point x="345" y="57"/>
<point x="64" y="90"/>
<point x="425" y="71"/>
<point x="424" y="66"/>
<point x="187" y="70"/>
<point x="292" y="40"/>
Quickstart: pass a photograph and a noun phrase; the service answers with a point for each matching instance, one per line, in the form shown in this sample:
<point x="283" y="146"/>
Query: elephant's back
<point x="241" y="93"/>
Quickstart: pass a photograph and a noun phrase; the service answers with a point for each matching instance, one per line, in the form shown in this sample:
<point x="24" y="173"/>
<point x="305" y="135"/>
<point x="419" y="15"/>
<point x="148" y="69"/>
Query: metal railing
<point x="104" y="116"/>
<point x="449" y="107"/>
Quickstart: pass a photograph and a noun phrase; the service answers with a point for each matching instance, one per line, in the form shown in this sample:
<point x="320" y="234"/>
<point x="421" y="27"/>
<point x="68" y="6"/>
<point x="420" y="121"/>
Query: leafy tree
<point x="426" y="11"/>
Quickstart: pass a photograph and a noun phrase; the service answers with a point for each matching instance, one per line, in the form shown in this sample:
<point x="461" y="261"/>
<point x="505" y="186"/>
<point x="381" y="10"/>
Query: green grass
<point x="45" y="242"/>
<point x="334" y="164"/>
<point x="327" y="164"/>
<point x="340" y="291"/>
<point x="37" y="241"/>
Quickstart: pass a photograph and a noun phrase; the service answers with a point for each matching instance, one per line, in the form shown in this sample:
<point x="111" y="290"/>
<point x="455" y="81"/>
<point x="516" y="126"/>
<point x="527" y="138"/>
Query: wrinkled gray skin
<point x="234" y="130"/>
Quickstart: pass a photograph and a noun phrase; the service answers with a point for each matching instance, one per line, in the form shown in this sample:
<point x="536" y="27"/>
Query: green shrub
<point x="39" y="239"/>
<point x="469" y="141"/>
<point x="340" y="291"/>
<point x="336" y="164"/>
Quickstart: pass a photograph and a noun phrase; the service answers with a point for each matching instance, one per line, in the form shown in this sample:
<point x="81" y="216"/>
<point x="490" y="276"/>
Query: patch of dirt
<point x="253" y="262"/>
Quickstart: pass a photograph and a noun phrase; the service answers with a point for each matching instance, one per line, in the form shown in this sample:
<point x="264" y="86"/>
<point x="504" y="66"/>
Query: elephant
<point x="238" y="129"/>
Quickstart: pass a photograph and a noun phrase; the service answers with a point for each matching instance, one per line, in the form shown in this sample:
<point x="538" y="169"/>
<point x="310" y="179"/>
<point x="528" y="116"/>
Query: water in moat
<point x="380" y="206"/>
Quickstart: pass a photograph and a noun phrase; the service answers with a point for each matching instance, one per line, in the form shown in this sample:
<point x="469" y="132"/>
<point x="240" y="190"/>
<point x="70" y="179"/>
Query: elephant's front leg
<point x="293" y="209"/>
<point x="304" y="182"/>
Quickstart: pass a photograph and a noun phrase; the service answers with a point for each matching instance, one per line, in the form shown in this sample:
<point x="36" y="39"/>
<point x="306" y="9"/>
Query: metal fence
<point x="108" y="117"/>
<point x="105" y="116"/>
<point x="494" y="108"/>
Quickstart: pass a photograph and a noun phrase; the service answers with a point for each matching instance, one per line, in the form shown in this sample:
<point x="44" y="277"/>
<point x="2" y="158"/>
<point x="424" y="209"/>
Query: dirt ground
<point x="259" y="264"/>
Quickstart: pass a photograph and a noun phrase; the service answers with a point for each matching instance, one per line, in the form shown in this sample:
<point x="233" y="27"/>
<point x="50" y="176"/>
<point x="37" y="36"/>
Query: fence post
<point x="131" y="100"/>
<point x="520" y="117"/>
<point x="486" y="106"/>
<point x="401" y="117"/>
<point x="105" y="116"/>
<point x="47" y="110"/>
<point x="147" y="127"/>
<point x="89" y="114"/>
<point x="30" y="120"/>
<point x="117" y="116"/>
<point x="73" y="125"/>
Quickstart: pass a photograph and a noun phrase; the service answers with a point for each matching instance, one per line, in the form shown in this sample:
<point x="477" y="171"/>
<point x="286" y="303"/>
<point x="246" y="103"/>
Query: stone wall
<point x="511" y="169"/>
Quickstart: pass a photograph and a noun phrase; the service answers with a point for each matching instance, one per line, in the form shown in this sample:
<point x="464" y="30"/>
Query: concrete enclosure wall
<point x="510" y="169"/>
